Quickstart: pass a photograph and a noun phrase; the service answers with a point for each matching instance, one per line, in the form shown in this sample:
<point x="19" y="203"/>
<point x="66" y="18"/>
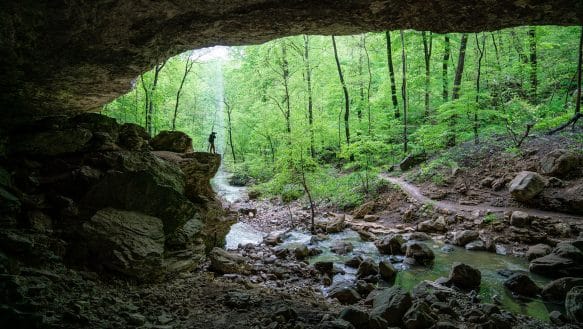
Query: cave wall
<point x="67" y="56"/>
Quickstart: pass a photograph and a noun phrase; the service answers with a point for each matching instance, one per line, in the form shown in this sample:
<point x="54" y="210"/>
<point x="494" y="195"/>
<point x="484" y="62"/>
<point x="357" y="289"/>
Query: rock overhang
<point x="60" y="56"/>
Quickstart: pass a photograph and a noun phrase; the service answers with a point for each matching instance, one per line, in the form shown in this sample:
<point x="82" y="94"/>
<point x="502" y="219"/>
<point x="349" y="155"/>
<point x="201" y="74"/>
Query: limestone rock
<point x="557" y="290"/>
<point x="337" y="225"/>
<point x="387" y="271"/>
<point x="367" y="268"/>
<point x="566" y="259"/>
<point x="358" y="318"/>
<point x="560" y="162"/>
<point x="520" y="219"/>
<point x="526" y="185"/>
<point x="461" y="238"/>
<point x="390" y="245"/>
<point x="419" y="251"/>
<point x="476" y="245"/>
<point x="51" y="143"/>
<point x="126" y="242"/>
<point x="420" y="316"/>
<point x="574" y="304"/>
<point x="520" y="284"/>
<point x="344" y="293"/>
<point x="341" y="247"/>
<point x="173" y="141"/>
<point x="391" y="305"/>
<point x="363" y="210"/>
<point x="538" y="250"/>
<point x="224" y="262"/>
<point x="464" y="276"/>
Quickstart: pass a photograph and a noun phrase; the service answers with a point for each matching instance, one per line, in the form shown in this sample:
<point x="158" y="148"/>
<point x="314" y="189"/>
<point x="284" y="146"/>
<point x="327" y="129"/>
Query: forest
<point x="326" y="114"/>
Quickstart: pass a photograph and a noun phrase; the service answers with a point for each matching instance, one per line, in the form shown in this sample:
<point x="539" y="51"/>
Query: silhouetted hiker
<point x="212" y="138"/>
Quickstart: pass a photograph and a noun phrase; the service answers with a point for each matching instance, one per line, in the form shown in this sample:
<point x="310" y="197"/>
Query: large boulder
<point x="358" y="318"/>
<point x="224" y="262"/>
<point x="557" y="290"/>
<point x="520" y="219"/>
<point x="391" y="305"/>
<point x="420" y="316"/>
<point x="420" y="252"/>
<point x="565" y="260"/>
<point x="337" y="225"/>
<point x="526" y="185"/>
<point x="173" y="141"/>
<point x="344" y="293"/>
<point x="560" y="162"/>
<point x="574" y="304"/>
<point x="387" y="271"/>
<point x="127" y="242"/>
<point x="464" y="276"/>
<point x="461" y="238"/>
<point x="367" y="268"/>
<point x="390" y="244"/>
<point x="520" y="284"/>
<point x="363" y="210"/>
<point x="537" y="251"/>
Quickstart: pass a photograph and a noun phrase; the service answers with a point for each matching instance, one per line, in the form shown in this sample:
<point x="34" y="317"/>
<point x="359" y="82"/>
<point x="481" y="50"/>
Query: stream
<point x="408" y="276"/>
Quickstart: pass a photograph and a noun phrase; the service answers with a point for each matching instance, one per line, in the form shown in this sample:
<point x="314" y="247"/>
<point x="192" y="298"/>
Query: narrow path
<point x="415" y="193"/>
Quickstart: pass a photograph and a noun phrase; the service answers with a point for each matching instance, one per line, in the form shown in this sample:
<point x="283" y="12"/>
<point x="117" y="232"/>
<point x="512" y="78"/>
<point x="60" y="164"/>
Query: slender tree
<point x="404" y="91"/>
<point x="308" y="78"/>
<point x="481" y="48"/>
<point x="229" y="110"/>
<point x="427" y="48"/>
<point x="346" y="97"/>
<point x="187" y="67"/>
<point x="445" y="63"/>
<point x="150" y="99"/>
<point x="459" y="70"/>
<point x="392" y="74"/>
<point x="533" y="63"/>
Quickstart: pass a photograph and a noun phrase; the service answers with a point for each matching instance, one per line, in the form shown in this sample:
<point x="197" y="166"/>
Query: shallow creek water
<point x="408" y="276"/>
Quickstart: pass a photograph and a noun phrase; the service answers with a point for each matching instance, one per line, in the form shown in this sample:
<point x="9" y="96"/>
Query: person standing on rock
<point x="212" y="138"/>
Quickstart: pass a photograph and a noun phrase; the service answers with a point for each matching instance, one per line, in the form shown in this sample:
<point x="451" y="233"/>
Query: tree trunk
<point x="285" y="74"/>
<point x="187" y="67"/>
<point x="392" y="75"/>
<point x="459" y="70"/>
<point x="533" y="63"/>
<point x="580" y="58"/>
<point x="481" y="49"/>
<point x="346" y="97"/>
<point x="518" y="47"/>
<point x="230" y="130"/>
<point x="460" y="67"/>
<point x="360" y="78"/>
<point x="146" y="103"/>
<point x="427" y="48"/>
<point x="368" y="85"/>
<point x="308" y="76"/>
<point x="404" y="91"/>
<point x="150" y="112"/>
<point x="445" y="79"/>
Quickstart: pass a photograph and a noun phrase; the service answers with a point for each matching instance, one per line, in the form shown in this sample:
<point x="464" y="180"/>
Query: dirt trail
<point x="414" y="192"/>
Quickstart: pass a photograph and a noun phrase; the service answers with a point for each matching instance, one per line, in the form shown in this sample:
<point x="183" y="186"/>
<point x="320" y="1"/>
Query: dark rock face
<point x="127" y="242"/>
<point x="93" y="190"/>
<point x="420" y="252"/>
<point x="390" y="245"/>
<point x="77" y="56"/>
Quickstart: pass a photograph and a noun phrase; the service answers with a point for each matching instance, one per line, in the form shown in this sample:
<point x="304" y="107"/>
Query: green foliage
<point x="491" y="218"/>
<point x="263" y="90"/>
